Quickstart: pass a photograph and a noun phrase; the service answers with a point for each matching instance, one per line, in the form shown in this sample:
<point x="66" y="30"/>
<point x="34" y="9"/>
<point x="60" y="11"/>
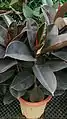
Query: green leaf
<point x="27" y="11"/>
<point x="19" y="50"/>
<point x="49" y="2"/>
<point x="44" y="2"/>
<point x="46" y="77"/>
<point x="36" y="12"/>
<point x="56" y="5"/>
<point x="13" y="2"/>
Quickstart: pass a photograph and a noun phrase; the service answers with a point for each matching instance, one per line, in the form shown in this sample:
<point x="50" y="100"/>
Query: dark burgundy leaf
<point x="3" y="88"/>
<point x="18" y="50"/>
<point x="49" y="13"/>
<point x="3" y="35"/>
<point x="61" y="54"/>
<point x="31" y="32"/>
<point x="36" y="95"/>
<point x="61" y="79"/>
<point x="17" y="94"/>
<point x="55" y="42"/>
<point x="22" y="81"/>
<point x="2" y="51"/>
<point x="8" y="98"/>
<point x="46" y="77"/>
<point x="6" y="64"/>
<point x="6" y="75"/>
<point x="12" y="32"/>
<point x="56" y="65"/>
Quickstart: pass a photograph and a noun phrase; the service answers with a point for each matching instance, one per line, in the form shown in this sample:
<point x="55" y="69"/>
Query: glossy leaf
<point x="8" y="98"/>
<point x="49" y="28"/>
<point x="59" y="92"/>
<point x="17" y="94"/>
<point x="12" y="32"/>
<point x="22" y="81"/>
<point x="45" y="16"/>
<point x="25" y="64"/>
<point x="61" y="54"/>
<point x="36" y="12"/>
<point x="2" y="51"/>
<point x="36" y="95"/>
<point x="2" y="23"/>
<point x="55" y="42"/>
<point x="6" y="75"/>
<point x="56" y="65"/>
<point x="52" y="29"/>
<point x="18" y="50"/>
<point x="6" y="64"/>
<point x="44" y="90"/>
<point x="49" y="13"/>
<point x="3" y="35"/>
<point x="61" y="79"/>
<point x="3" y="88"/>
<point x="46" y="77"/>
<point x="31" y="32"/>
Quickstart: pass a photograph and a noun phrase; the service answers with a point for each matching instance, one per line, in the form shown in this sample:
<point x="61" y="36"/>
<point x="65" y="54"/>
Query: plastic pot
<point x="33" y="110"/>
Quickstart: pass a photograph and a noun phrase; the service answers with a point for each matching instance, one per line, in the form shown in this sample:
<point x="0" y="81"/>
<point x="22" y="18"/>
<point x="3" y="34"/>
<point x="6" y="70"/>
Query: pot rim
<point x="35" y="103"/>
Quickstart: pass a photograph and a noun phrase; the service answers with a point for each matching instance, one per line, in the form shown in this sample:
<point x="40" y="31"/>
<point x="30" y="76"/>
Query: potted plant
<point x="32" y="60"/>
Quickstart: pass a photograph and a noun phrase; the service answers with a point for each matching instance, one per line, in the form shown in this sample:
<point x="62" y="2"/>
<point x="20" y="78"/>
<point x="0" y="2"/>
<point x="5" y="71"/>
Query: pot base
<point x="42" y="117"/>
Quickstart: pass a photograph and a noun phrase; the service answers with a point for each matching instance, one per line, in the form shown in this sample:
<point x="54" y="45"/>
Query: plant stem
<point x="35" y="81"/>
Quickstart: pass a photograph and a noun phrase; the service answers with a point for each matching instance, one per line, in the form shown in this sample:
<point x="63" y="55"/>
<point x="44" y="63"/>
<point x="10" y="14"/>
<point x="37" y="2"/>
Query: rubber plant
<point x="32" y="59"/>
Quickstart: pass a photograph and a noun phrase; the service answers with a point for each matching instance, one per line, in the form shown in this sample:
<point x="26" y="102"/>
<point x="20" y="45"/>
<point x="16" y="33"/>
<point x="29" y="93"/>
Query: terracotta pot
<point x="33" y="110"/>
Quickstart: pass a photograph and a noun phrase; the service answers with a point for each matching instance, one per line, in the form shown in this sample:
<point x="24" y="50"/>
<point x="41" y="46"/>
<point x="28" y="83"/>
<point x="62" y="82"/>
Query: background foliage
<point x="4" y="4"/>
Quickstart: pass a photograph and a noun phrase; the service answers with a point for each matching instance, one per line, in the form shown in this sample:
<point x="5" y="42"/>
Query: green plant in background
<point x="4" y="4"/>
